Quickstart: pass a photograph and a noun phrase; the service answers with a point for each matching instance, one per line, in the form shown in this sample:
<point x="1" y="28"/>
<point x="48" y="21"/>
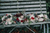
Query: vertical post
<point x="47" y="28"/>
<point x="40" y="7"/>
<point x="17" y="5"/>
<point x="44" y="28"/>
<point x="40" y="26"/>
<point x="9" y="5"/>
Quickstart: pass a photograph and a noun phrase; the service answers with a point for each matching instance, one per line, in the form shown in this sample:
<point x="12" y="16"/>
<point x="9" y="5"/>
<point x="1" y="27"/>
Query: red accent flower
<point x="17" y="19"/>
<point x="22" y="20"/>
<point x="32" y="18"/>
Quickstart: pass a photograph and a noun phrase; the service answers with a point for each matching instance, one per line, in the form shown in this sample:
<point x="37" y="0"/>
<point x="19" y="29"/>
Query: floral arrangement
<point x="20" y="18"/>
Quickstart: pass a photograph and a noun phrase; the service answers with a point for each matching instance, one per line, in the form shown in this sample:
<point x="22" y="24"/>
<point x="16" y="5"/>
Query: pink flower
<point x="6" y="23"/>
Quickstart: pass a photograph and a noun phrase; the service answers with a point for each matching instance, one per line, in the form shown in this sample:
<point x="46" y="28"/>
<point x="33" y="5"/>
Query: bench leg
<point x="47" y="28"/>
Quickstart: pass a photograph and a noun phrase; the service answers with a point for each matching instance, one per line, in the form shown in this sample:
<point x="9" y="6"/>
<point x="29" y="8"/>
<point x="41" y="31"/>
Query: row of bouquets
<point x="20" y="18"/>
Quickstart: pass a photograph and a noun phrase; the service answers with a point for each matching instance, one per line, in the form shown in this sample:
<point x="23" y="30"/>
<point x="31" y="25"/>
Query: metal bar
<point x="44" y="28"/>
<point x="30" y="29"/>
<point x="43" y="5"/>
<point x="23" y="9"/>
<point x="19" y="0"/>
<point x="41" y="27"/>
<point x="12" y="29"/>
<point x="15" y="0"/>
<point x="47" y="28"/>
<point x="24" y="3"/>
